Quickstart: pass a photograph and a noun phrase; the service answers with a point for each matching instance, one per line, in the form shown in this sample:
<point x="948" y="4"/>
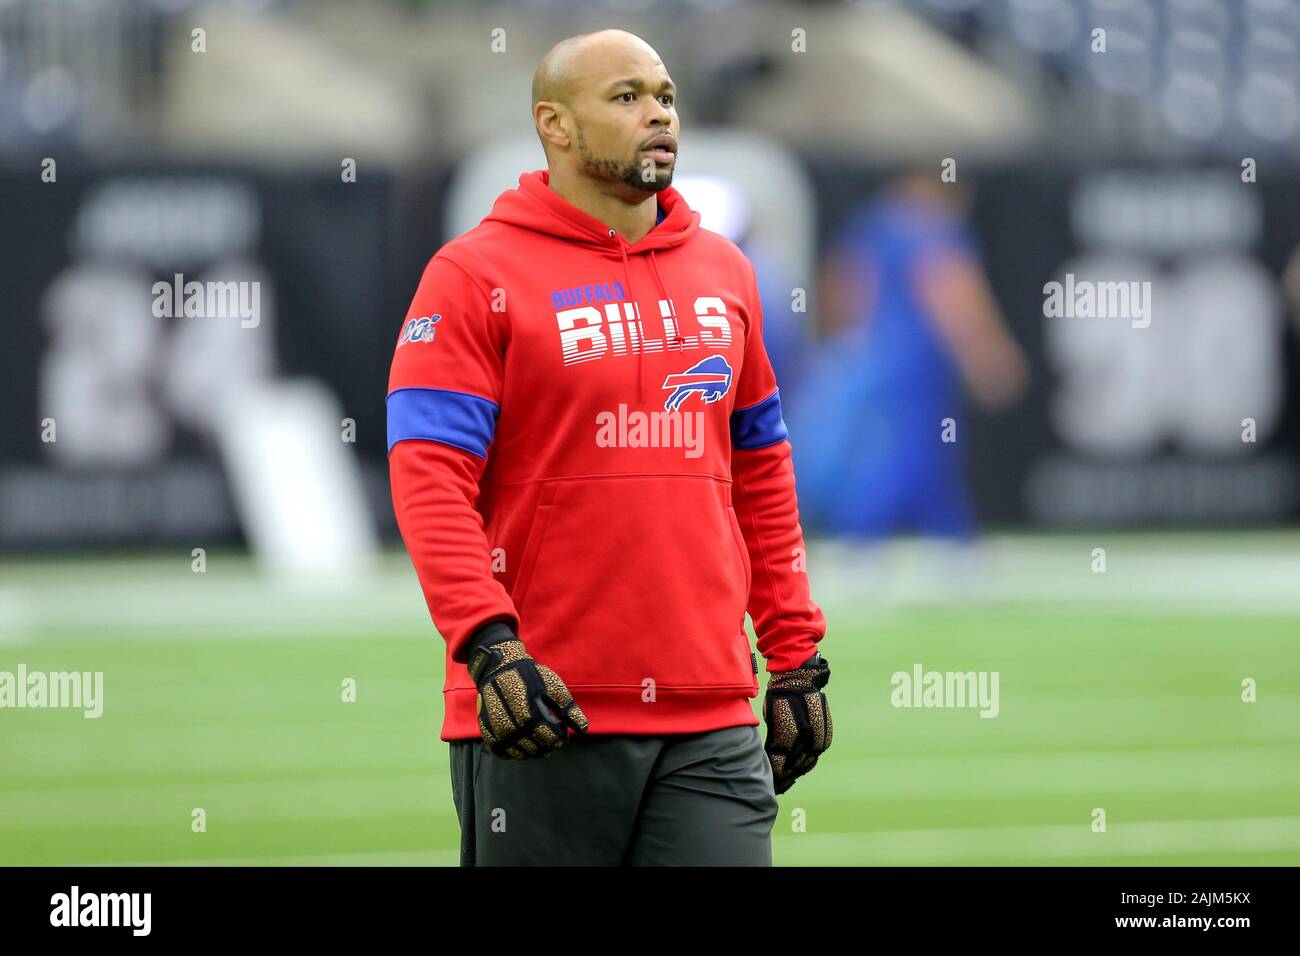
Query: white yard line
<point x="404" y="858"/>
<point x="922" y="847"/>
<point x="1174" y="574"/>
<point x="1042" y="843"/>
<point x="144" y="598"/>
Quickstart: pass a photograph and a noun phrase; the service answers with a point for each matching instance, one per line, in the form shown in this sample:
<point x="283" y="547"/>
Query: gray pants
<point x="619" y="799"/>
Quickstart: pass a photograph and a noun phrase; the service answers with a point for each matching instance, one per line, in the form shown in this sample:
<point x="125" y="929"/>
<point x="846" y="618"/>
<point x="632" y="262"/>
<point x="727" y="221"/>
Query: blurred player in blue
<point x="908" y="319"/>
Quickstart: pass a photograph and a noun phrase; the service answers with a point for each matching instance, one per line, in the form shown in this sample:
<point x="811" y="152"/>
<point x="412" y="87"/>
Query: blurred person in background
<point x="785" y="329"/>
<point x="907" y="319"/>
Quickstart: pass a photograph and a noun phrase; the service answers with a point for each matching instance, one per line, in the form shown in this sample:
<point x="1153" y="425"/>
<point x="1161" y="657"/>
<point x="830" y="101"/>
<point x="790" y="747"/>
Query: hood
<point x="535" y="206"/>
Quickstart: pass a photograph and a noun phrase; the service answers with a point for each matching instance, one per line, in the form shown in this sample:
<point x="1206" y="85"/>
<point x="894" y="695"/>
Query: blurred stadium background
<point x="211" y="527"/>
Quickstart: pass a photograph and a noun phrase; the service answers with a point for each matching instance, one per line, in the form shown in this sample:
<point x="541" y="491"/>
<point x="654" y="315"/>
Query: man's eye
<point x="669" y="98"/>
<point x="621" y="95"/>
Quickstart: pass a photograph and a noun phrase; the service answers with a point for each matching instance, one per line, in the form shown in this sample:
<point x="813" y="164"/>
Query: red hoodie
<point x="585" y="441"/>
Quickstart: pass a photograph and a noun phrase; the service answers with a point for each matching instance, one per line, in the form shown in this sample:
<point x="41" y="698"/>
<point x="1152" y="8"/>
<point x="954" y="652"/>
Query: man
<point x="591" y="474"/>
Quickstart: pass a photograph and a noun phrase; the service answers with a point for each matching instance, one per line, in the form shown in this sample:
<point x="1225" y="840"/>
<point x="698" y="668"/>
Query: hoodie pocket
<point x="636" y="579"/>
<point x="743" y="550"/>
<point x="528" y="556"/>
<point x="739" y="538"/>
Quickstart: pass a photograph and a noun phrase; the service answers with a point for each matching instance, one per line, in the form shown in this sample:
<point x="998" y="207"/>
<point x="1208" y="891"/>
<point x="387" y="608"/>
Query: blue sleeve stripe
<point x="437" y="414"/>
<point x="759" y="425"/>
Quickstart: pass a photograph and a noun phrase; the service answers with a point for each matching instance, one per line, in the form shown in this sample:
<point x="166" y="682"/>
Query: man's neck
<point x="630" y="218"/>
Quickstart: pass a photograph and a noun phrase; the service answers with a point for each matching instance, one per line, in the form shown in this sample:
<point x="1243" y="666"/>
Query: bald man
<point x="592" y="476"/>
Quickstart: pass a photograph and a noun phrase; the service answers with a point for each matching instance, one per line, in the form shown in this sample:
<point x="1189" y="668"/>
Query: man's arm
<point x="787" y="622"/>
<point x="951" y="285"/>
<point x="443" y="398"/>
<point x="434" y="487"/>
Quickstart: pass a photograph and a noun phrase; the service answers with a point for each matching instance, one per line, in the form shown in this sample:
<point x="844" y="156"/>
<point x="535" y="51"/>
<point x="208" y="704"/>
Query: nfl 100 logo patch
<point x="419" y="330"/>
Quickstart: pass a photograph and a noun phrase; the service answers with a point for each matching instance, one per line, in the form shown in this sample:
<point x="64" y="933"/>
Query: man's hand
<point x="798" y="720"/>
<point x="524" y="709"/>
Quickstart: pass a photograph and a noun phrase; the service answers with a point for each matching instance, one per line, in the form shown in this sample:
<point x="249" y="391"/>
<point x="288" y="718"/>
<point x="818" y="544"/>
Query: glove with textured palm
<point x="798" y="720"/>
<point x="524" y="709"/>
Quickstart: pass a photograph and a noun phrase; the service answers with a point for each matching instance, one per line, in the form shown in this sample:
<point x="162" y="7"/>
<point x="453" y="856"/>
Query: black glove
<point x="524" y="709"/>
<point x="798" y="720"/>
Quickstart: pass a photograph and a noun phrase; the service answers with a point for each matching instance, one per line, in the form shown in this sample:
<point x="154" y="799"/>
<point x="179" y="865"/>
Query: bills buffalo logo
<point x="419" y="330"/>
<point x="709" y="378"/>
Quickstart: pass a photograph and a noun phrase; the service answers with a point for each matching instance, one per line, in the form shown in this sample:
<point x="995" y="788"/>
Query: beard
<point x="622" y="171"/>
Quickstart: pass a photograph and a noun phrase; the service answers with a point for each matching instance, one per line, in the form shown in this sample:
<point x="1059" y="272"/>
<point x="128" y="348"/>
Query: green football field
<point x="1119" y="692"/>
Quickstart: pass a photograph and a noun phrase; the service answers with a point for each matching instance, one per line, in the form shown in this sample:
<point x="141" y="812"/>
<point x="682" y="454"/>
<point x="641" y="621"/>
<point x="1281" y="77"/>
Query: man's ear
<point x="551" y="124"/>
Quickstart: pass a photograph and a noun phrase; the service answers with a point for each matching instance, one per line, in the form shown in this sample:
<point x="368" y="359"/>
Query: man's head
<point x="922" y="183"/>
<point x="605" y="108"/>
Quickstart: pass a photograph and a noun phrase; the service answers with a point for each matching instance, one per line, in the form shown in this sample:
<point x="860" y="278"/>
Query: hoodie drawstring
<point x="640" y="351"/>
<point x="636" y="313"/>
<point x="663" y="293"/>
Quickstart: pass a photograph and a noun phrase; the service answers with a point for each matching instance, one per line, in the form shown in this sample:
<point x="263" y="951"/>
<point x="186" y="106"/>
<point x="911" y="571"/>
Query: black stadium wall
<point x="1124" y="425"/>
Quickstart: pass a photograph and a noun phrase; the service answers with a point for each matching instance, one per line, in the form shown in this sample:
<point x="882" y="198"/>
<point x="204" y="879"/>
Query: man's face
<point x="627" y="123"/>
